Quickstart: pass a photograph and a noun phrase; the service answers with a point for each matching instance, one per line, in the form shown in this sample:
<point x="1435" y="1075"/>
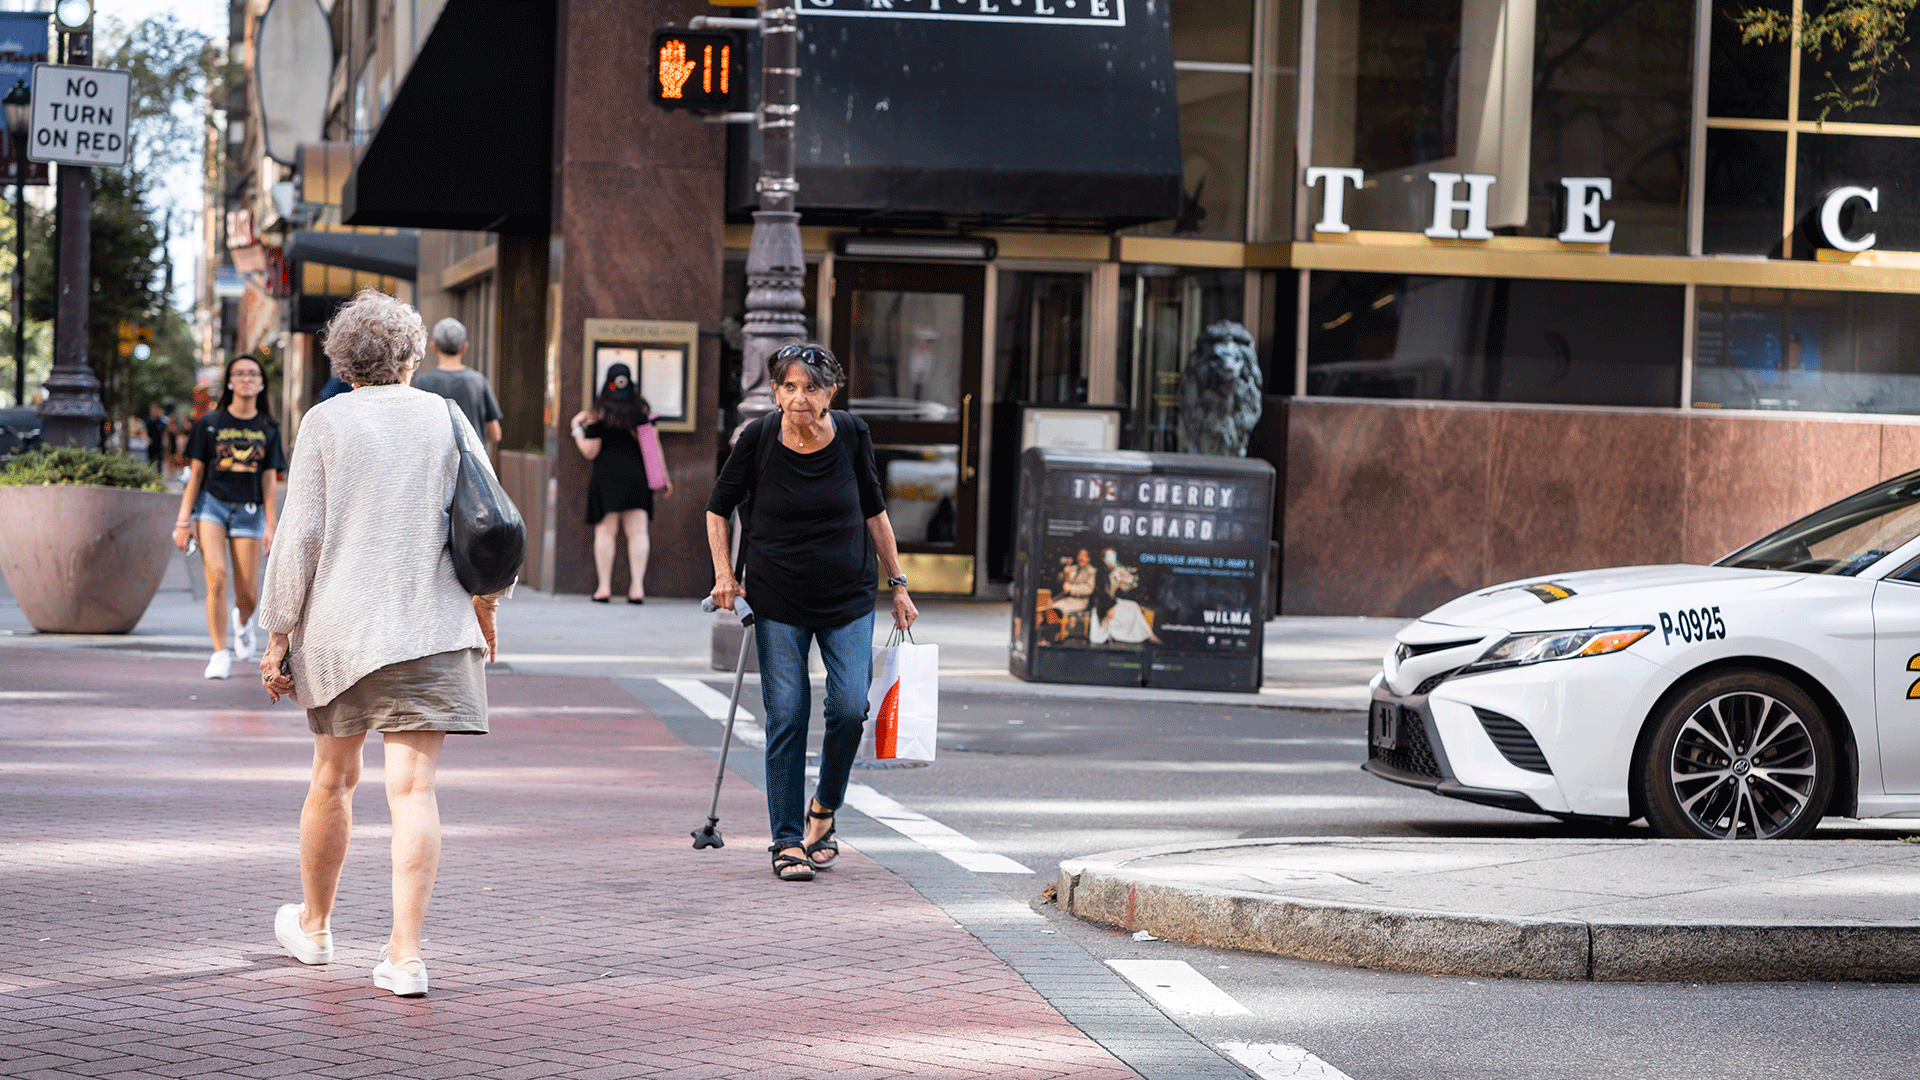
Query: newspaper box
<point x="1136" y="569"/>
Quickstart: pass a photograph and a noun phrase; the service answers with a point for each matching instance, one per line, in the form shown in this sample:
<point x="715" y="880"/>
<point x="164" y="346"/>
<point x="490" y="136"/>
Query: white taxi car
<point x="1746" y="699"/>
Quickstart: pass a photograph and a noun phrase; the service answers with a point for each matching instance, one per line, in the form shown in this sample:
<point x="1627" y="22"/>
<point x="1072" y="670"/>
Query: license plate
<point x="1384" y="728"/>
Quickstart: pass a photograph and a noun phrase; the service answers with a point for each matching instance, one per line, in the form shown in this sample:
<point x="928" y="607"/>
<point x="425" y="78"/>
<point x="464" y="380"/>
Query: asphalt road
<point x="1040" y="780"/>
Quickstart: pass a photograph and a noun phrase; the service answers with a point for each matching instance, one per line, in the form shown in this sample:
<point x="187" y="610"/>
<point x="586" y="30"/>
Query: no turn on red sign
<point x="79" y="115"/>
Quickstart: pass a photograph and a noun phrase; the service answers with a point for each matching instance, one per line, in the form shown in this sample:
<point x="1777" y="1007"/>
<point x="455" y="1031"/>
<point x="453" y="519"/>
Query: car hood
<point x="1595" y="597"/>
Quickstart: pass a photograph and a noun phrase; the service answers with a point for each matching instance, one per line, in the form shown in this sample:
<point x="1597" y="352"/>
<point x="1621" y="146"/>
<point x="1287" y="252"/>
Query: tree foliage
<point x="1871" y="34"/>
<point x="125" y="255"/>
<point x="173" y="70"/>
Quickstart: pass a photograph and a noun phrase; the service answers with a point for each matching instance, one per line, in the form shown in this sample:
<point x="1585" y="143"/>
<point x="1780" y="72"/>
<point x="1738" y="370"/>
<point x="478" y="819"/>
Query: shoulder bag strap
<point x="844" y="428"/>
<point x="769" y="434"/>
<point x="459" y="449"/>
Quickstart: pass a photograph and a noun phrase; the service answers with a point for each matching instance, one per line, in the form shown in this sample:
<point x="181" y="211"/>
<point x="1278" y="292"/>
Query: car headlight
<point x="1516" y="650"/>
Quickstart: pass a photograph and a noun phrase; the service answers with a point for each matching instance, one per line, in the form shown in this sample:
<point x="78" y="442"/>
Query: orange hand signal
<point x="675" y="68"/>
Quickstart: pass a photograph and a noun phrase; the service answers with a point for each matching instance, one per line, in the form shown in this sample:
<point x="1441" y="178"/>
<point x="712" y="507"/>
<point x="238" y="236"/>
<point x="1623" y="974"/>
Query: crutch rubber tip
<point x="707" y="836"/>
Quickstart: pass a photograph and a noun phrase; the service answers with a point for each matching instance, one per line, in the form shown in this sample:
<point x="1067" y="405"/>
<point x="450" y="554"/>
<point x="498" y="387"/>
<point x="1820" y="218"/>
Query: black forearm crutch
<point x="708" y="835"/>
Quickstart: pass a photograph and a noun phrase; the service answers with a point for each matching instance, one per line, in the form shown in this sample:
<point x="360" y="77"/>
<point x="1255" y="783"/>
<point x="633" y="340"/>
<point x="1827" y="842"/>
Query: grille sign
<point x="1060" y="12"/>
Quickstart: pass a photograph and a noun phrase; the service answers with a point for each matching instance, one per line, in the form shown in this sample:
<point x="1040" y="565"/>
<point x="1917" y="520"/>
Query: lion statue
<point x="1220" y="392"/>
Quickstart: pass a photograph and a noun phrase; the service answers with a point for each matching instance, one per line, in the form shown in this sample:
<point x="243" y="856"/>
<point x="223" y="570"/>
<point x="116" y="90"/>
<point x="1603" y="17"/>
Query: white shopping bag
<point x="903" y="704"/>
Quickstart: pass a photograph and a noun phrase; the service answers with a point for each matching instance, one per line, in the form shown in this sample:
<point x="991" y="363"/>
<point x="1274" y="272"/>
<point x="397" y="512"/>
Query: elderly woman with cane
<point x="369" y="626"/>
<point x="814" y="520"/>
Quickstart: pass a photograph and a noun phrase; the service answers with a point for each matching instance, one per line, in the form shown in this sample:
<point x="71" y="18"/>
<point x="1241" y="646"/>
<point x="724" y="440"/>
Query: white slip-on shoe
<point x="408" y="978"/>
<point x="221" y="664"/>
<point x="316" y="948"/>
<point x="241" y="634"/>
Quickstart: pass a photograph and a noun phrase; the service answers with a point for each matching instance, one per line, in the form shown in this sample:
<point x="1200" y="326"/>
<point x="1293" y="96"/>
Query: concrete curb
<point x="1101" y="889"/>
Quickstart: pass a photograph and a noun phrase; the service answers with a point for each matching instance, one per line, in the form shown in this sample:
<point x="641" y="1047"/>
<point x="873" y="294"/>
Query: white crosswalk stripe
<point x="1180" y="990"/>
<point x="1177" y="988"/>
<point x="1281" y="1061"/>
<point x="929" y="833"/>
<point x="920" y="828"/>
<point x="714" y="704"/>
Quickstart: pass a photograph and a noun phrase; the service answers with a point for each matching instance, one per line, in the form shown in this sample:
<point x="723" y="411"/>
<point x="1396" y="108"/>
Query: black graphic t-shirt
<point x="236" y="452"/>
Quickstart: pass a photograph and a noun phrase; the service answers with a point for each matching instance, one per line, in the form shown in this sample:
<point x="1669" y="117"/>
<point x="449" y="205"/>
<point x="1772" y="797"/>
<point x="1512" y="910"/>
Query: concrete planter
<point x="84" y="560"/>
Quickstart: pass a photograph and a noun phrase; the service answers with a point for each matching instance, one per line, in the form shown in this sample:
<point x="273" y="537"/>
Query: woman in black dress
<point x="618" y="436"/>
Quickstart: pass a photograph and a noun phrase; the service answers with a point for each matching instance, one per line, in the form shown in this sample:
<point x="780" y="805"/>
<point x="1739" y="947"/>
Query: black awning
<point x="395" y="254"/>
<point x="1043" y="111"/>
<point x="468" y="140"/>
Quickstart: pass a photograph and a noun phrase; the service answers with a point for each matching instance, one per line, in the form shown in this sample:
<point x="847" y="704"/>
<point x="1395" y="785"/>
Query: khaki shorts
<point x="442" y="692"/>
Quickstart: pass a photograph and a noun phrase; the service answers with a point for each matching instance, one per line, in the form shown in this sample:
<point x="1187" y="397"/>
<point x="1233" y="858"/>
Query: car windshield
<point x="1844" y="538"/>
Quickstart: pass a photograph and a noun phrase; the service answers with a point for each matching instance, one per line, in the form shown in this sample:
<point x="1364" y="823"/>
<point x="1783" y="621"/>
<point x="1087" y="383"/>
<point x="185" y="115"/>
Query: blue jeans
<point x="786" y="695"/>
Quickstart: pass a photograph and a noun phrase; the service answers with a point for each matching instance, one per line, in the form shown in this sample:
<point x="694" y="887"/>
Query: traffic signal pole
<point x="19" y="299"/>
<point x="776" y="264"/>
<point x="71" y="413"/>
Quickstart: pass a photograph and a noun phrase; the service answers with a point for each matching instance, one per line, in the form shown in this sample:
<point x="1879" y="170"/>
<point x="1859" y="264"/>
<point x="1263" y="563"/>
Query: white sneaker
<point x="408" y="978"/>
<point x="241" y="635"/>
<point x="220" y="666"/>
<point x="315" y="948"/>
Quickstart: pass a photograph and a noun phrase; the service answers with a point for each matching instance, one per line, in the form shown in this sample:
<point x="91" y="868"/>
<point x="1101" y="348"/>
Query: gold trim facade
<point x="1364" y="251"/>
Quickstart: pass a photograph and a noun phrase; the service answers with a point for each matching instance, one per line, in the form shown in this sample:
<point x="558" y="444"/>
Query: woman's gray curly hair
<point x="372" y="339"/>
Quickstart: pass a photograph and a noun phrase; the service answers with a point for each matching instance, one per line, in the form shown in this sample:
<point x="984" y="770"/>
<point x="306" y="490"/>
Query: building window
<point x="1527" y="93"/>
<point x="1162" y="311"/>
<point x="1040" y="343"/>
<point x="1772" y="159"/>
<point x="1213" y="82"/>
<point x="1494" y="339"/>
<point x="1806" y="350"/>
<point x="363" y="117"/>
<point x="1744" y="188"/>
<point x="473" y="306"/>
<point x="1744" y="79"/>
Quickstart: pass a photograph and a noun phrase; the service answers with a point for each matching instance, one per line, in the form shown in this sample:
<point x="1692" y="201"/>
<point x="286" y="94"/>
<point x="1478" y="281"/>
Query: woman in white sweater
<point x="360" y="597"/>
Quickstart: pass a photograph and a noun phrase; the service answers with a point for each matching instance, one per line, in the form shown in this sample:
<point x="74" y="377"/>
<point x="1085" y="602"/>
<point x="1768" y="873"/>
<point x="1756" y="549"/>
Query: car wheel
<point x="1742" y="755"/>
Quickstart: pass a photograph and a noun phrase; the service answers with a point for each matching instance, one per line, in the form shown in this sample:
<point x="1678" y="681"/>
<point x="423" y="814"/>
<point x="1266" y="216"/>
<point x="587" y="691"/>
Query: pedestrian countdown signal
<point x="700" y="70"/>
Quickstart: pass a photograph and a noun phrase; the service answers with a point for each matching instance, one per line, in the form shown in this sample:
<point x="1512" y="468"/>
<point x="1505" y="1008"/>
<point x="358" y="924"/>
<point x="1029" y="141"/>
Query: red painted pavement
<point x="146" y="839"/>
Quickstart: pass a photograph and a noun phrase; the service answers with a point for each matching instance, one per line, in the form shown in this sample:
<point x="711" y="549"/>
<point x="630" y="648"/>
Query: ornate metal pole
<point x="71" y="414"/>
<point x="776" y="265"/>
<point x="18" y="98"/>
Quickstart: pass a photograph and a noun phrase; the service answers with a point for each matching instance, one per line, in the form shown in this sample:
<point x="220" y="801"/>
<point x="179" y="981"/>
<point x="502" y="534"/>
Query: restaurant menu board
<point x="1136" y="569"/>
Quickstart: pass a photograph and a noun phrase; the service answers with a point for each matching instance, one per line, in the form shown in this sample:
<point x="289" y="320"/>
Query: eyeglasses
<point x="248" y="376"/>
<point x="818" y="361"/>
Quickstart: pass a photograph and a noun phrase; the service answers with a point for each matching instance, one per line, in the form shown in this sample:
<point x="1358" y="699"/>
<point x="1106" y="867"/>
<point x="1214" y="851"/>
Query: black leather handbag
<point x="486" y="536"/>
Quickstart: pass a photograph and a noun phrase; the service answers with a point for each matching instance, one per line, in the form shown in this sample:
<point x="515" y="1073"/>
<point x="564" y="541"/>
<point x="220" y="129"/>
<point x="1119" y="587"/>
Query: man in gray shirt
<point x="459" y="383"/>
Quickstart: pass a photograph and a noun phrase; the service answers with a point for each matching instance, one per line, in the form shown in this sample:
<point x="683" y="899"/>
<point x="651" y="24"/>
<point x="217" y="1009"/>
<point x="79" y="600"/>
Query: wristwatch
<point x="897" y="582"/>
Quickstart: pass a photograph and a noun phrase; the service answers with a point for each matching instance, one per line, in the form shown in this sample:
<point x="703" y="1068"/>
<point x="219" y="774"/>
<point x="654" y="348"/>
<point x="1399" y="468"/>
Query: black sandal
<point x="825" y="843"/>
<point x="790" y="867"/>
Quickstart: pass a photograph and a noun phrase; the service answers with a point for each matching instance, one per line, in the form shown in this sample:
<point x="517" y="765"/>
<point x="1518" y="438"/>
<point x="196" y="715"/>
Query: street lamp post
<point x="72" y="414"/>
<point x="18" y="105"/>
<point x="776" y="263"/>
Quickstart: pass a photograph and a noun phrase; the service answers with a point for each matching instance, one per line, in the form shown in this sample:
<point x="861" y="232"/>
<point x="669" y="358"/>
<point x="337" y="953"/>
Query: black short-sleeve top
<point x="810" y="559"/>
<point x="236" y="452"/>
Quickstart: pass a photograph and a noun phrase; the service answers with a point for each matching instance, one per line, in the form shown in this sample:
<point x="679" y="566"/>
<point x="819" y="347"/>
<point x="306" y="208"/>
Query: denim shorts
<point x="247" y="521"/>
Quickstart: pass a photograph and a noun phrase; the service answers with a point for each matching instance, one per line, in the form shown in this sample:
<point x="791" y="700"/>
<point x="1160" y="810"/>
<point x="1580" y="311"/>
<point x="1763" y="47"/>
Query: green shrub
<point x="72" y="465"/>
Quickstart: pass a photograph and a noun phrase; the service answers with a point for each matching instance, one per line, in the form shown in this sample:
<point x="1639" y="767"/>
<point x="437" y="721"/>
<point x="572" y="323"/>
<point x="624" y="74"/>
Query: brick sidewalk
<point x="146" y="839"/>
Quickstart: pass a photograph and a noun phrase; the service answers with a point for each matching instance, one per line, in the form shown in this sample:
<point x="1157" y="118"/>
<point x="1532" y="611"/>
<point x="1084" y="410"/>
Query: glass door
<point x="909" y="337"/>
